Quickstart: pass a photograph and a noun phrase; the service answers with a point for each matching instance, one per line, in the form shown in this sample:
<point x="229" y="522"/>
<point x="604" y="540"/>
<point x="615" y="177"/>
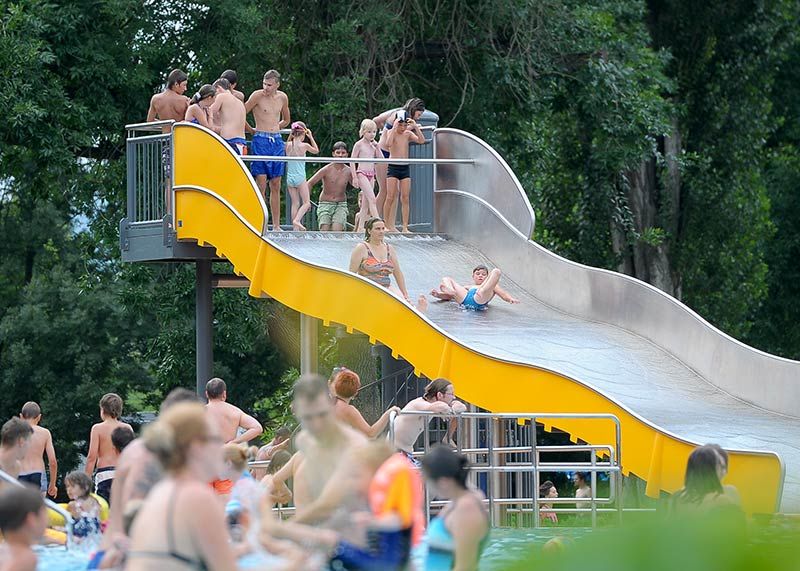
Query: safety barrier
<point x="49" y="504"/>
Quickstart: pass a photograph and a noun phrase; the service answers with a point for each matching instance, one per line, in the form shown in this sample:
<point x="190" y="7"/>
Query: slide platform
<point x="534" y="356"/>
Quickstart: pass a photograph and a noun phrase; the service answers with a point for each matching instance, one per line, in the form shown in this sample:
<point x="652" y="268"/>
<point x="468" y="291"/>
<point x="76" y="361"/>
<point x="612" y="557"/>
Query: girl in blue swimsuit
<point x="477" y="296"/>
<point x="460" y="533"/>
<point x="197" y="112"/>
<point x="296" y="146"/>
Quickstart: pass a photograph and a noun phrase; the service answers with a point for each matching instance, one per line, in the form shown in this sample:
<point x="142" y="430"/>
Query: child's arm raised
<point x="419" y="138"/>
<point x="312" y="147"/>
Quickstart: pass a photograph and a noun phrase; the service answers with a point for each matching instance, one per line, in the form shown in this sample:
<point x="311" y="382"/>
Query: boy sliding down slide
<point x="477" y="296"/>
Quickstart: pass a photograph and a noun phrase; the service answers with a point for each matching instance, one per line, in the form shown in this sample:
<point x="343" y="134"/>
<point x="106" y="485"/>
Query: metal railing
<point x="149" y="163"/>
<point x="49" y="504"/>
<point x="510" y="475"/>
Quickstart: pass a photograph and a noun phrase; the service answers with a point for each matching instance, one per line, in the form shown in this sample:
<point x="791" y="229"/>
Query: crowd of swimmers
<point x="184" y="495"/>
<point x="220" y="107"/>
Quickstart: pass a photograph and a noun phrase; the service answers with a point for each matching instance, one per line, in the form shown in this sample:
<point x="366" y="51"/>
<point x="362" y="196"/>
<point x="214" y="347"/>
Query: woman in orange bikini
<point x="376" y="260"/>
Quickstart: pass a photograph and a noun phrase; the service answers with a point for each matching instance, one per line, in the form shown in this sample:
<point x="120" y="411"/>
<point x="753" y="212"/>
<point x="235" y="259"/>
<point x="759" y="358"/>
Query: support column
<point x="204" y="340"/>
<point x="309" y="344"/>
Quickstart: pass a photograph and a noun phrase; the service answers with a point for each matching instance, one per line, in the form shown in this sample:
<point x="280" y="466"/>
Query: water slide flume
<point x="217" y="204"/>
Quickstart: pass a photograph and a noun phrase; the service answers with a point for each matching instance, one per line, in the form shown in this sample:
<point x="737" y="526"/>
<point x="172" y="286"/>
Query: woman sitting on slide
<point x="344" y="388"/>
<point x="376" y="260"/>
<point x="477" y="296"/>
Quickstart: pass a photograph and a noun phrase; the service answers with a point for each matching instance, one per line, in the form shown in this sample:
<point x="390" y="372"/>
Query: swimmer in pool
<point x="477" y="296"/>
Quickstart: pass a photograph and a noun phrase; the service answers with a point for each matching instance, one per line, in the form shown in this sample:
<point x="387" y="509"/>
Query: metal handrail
<point x="149" y="126"/>
<point x="394" y="161"/>
<point x="49" y="504"/>
<point x="612" y="466"/>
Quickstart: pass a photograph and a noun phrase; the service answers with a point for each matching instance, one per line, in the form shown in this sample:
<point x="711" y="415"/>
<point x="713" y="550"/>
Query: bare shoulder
<point x="24" y="560"/>
<point x="282" y="95"/>
<point x="361" y="248"/>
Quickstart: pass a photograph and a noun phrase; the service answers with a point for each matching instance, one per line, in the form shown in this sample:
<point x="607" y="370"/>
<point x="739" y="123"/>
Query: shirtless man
<point x="332" y="209"/>
<point x="138" y="470"/>
<point x="270" y="108"/>
<point x="233" y="79"/>
<point x="327" y="446"/>
<point x="476" y="296"/>
<point x="102" y="453"/>
<point x="439" y="398"/>
<point x="229" y="114"/>
<point x="41" y="443"/>
<point x="227" y="417"/>
<point x="170" y="103"/>
<point x="15" y="438"/>
<point x="398" y="177"/>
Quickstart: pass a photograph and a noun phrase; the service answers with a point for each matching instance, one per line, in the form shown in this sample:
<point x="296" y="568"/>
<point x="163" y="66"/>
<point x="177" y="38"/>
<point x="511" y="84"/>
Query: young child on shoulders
<point x="23" y="519"/>
<point x="300" y="142"/>
<point x="398" y="177"/>
<point x="84" y="508"/>
<point x="102" y="453"/>
<point x="364" y="172"/>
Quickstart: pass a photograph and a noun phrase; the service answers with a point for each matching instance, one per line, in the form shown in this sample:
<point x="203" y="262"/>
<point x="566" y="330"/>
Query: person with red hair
<point x="344" y="387"/>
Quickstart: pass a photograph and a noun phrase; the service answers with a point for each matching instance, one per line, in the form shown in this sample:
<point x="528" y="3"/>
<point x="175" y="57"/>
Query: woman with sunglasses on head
<point x="344" y="387"/>
<point x="377" y="261"/>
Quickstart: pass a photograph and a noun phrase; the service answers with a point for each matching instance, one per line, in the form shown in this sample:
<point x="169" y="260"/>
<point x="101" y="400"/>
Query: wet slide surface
<point x="627" y="368"/>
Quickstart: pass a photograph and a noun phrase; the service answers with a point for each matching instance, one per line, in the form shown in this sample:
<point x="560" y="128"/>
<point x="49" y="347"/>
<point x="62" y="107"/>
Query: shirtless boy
<point x="229" y="115"/>
<point x="23" y="519"/>
<point x="332" y="209"/>
<point x="233" y="79"/>
<point x="477" y="296"/>
<point x="41" y="443"/>
<point x="439" y="398"/>
<point x="170" y="103"/>
<point x="327" y="446"/>
<point x="270" y="108"/>
<point x="102" y="453"/>
<point x="405" y="131"/>
<point x="15" y="437"/>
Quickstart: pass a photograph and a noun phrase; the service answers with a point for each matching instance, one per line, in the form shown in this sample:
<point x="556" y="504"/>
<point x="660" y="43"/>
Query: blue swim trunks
<point x="470" y="303"/>
<point x="268" y="144"/>
<point x="238" y="144"/>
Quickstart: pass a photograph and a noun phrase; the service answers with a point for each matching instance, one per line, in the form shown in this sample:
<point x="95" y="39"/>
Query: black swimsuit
<point x="171" y="552"/>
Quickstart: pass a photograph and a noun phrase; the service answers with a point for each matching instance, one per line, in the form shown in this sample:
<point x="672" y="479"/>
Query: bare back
<point x="34" y="457"/>
<point x="230" y="115"/>
<point x="267" y="110"/>
<point x="107" y="455"/>
<point x="334" y="183"/>
<point x="168" y="105"/>
<point x="227" y="418"/>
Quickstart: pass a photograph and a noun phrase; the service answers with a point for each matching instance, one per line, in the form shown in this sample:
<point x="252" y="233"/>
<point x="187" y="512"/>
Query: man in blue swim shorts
<point x="270" y="108"/>
<point x="477" y="296"/>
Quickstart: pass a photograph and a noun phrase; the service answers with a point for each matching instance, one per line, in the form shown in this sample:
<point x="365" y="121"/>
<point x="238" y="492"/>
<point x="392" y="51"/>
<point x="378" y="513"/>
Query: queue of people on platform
<point x="220" y="107"/>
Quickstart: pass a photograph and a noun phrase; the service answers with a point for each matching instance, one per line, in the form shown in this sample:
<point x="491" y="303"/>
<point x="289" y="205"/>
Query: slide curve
<point x="217" y="204"/>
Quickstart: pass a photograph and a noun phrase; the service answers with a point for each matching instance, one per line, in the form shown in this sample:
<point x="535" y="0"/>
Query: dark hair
<point x="283" y="432"/>
<point x="121" y="437"/>
<point x="309" y="387"/>
<point x="176" y="76"/>
<point x="111" y="405"/>
<point x="339" y="145"/>
<point x="30" y="410"/>
<point x="278" y="461"/>
<point x="177" y="395"/>
<point x="272" y="74"/>
<point x="13" y="431"/>
<point x="368" y="226"/>
<point x="584" y="476"/>
<point x="435" y="387"/>
<point x="223" y="83"/>
<point x="480" y="267"/>
<point x="413" y="105"/>
<point x="701" y="475"/>
<point x="346" y="383"/>
<point x="545" y="488"/>
<point x="723" y="454"/>
<point x="80" y="479"/>
<point x="444" y="462"/>
<point x="16" y="502"/>
<point x="231" y="76"/>
<point x="215" y="388"/>
<point x="205" y="91"/>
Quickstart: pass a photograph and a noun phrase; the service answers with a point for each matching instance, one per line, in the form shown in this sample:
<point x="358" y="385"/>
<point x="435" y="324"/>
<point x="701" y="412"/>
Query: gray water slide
<point x="635" y="344"/>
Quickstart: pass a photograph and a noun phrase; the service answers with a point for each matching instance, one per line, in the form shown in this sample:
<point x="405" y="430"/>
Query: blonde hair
<point x="367" y="124"/>
<point x="238" y="455"/>
<point x="170" y="436"/>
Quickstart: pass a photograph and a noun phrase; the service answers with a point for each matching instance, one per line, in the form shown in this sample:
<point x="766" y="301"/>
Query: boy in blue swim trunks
<point x="476" y="296"/>
<point x="270" y="108"/>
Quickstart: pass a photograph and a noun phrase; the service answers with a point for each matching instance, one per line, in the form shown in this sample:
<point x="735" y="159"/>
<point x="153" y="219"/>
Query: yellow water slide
<point x="217" y="204"/>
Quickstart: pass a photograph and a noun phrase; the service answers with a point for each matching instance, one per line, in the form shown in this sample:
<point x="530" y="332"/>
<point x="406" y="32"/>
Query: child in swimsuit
<point x="398" y="177"/>
<point x="198" y="112"/>
<point x="83" y="507"/>
<point x="296" y="146"/>
<point x="364" y="173"/>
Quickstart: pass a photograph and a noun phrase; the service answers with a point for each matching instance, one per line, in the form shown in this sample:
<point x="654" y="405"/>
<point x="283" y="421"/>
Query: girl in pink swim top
<point x="364" y="173"/>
